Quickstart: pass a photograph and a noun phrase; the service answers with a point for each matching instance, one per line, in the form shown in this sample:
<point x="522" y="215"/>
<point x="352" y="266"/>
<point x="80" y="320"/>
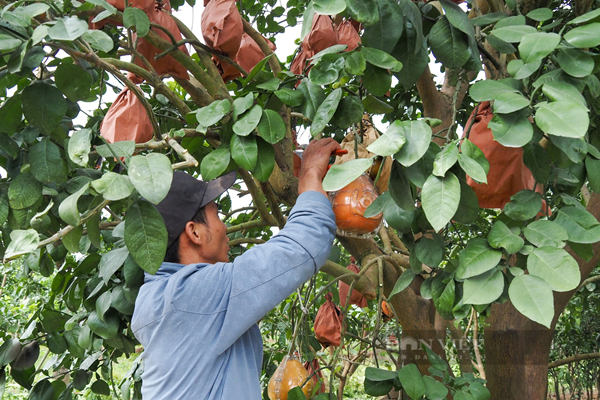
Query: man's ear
<point x="192" y="233"/>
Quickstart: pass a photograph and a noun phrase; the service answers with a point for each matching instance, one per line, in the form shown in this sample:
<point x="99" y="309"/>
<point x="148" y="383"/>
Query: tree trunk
<point x="517" y="348"/>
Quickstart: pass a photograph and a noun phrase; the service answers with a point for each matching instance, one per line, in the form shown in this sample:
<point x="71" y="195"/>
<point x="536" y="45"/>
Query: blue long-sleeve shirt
<point x="198" y="322"/>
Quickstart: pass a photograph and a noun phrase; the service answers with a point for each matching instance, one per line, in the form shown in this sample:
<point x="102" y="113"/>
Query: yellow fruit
<point x="290" y="374"/>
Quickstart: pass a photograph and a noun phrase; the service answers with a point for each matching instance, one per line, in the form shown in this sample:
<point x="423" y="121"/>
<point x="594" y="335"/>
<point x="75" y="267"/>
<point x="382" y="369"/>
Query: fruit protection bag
<point x="328" y="323"/>
<point x="508" y="174"/>
<point x="356" y="297"/>
<point x="347" y="34"/>
<point x="166" y="65"/>
<point x="222" y="26"/>
<point x="289" y="374"/>
<point x="315" y="374"/>
<point x="126" y="119"/>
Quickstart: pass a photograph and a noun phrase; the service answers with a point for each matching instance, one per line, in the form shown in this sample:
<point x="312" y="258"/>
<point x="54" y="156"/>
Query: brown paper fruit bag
<point x="328" y="323"/>
<point x="126" y="119"/>
<point x="356" y="297"/>
<point x="222" y="26"/>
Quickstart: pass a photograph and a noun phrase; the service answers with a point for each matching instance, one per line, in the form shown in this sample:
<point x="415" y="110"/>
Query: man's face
<point x="217" y="247"/>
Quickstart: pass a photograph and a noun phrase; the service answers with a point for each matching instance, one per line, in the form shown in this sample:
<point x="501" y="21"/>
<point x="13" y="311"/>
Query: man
<point x="197" y="317"/>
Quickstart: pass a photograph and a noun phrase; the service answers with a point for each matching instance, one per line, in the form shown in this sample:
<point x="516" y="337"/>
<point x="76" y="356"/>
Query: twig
<point x="387" y="245"/>
<point x="572" y="359"/>
<point x="257" y="196"/>
<point x="589" y="280"/>
<point x="87" y="215"/>
<point x="236" y="242"/>
<point x="190" y="161"/>
<point x="272" y="200"/>
<point x="476" y="346"/>
<point x="247" y="225"/>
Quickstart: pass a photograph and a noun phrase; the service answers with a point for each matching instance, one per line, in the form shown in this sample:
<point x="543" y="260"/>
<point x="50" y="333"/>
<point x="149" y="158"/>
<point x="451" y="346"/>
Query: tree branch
<point x="572" y="359"/>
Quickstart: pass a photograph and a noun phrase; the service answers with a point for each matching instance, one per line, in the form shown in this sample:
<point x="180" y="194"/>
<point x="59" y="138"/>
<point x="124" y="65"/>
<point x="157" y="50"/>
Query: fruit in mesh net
<point x="350" y="203"/>
<point x="290" y="374"/>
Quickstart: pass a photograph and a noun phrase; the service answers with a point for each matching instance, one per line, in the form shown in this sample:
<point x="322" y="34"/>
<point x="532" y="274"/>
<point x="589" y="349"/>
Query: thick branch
<point x="235" y="242"/>
<point x="572" y="359"/>
<point x="257" y="197"/>
<point x="363" y="285"/>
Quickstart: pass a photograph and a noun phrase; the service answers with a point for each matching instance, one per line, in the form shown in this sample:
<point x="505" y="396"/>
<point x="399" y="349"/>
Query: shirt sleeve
<point x="265" y="275"/>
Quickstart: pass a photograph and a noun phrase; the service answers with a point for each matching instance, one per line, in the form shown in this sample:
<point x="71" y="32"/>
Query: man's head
<point x="196" y="234"/>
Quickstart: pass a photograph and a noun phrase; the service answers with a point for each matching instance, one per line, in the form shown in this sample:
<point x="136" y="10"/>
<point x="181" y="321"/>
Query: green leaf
<point x="540" y="14"/>
<point x="448" y="44"/>
<point x="445" y="159"/>
<point x="99" y="40"/>
<point x="520" y="70"/>
<point x="271" y="126"/>
<point x="538" y="162"/>
<point x="271" y="85"/>
<point x="488" y="19"/>
<point x="244" y="151"/>
<point x="575" y="62"/>
<point x="508" y="102"/>
<point x="8" y="43"/>
<point x="341" y="175"/>
<point x="377" y="206"/>
<point x="79" y="147"/>
<point x="313" y="97"/>
<point x="377" y="388"/>
<point x="384" y="34"/>
<point x="248" y="121"/>
<point x="558" y="91"/>
<point x="500" y="45"/>
<point x="589" y="16"/>
<point x="288" y="97"/>
<point x="93" y="230"/>
<point x="489" y="89"/>
<point x="375" y="106"/>
<point x="396" y="217"/>
<point x="390" y="142"/>
<point x="4" y="209"/>
<point x="107" y="329"/>
<point x="327" y="70"/>
<point x="265" y="162"/>
<point x="296" y="393"/>
<point x="418" y="136"/>
<point x="514" y="33"/>
<point x="349" y="111"/>
<point x="120" y="149"/>
<point x="546" y="233"/>
<point x="484" y="288"/>
<point x="430" y="252"/>
<point x="434" y="389"/>
<point x="24" y="191"/>
<point x="557" y="267"/>
<point x="47" y="165"/>
<point x="378" y="374"/>
<point x="9" y="351"/>
<point x="479" y="391"/>
<point x="68" y="210"/>
<point x="584" y="36"/>
<point x="472" y="168"/>
<point x="43" y="390"/>
<point x="213" y="113"/>
<point x="68" y="28"/>
<point x="533" y="298"/>
<point x="336" y="48"/>
<point x="21" y="242"/>
<point x="112" y="261"/>
<point x="151" y="175"/>
<point x="381" y="59"/>
<point x="11" y="115"/>
<point x="536" y="46"/>
<point x="458" y="18"/>
<point x="592" y="167"/>
<point x="440" y="198"/>
<point x="376" y="80"/>
<point x="468" y="149"/>
<point x="113" y="186"/>
<point x="257" y="68"/>
<point x="523" y="205"/>
<point x="468" y="208"/>
<point x="73" y="81"/>
<point x="214" y="164"/>
<point x="329" y="7"/>
<point x="146" y="236"/>
<point x="242" y="104"/>
<point x="501" y="236"/>
<point x="43" y="106"/>
<point x="72" y="238"/>
<point x="355" y="63"/>
<point x="412" y="381"/>
<point x="363" y="11"/>
<point x="135" y="17"/>
<point x="414" y="59"/>
<point x="581" y="226"/>
<point x="478" y="257"/>
<point x="403" y="282"/>
<point x="511" y="130"/>
<point x="399" y="187"/>
<point x="325" y="112"/>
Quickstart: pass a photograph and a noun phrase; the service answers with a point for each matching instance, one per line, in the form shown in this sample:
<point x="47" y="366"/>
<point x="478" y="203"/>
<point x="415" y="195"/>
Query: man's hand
<point x="315" y="160"/>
